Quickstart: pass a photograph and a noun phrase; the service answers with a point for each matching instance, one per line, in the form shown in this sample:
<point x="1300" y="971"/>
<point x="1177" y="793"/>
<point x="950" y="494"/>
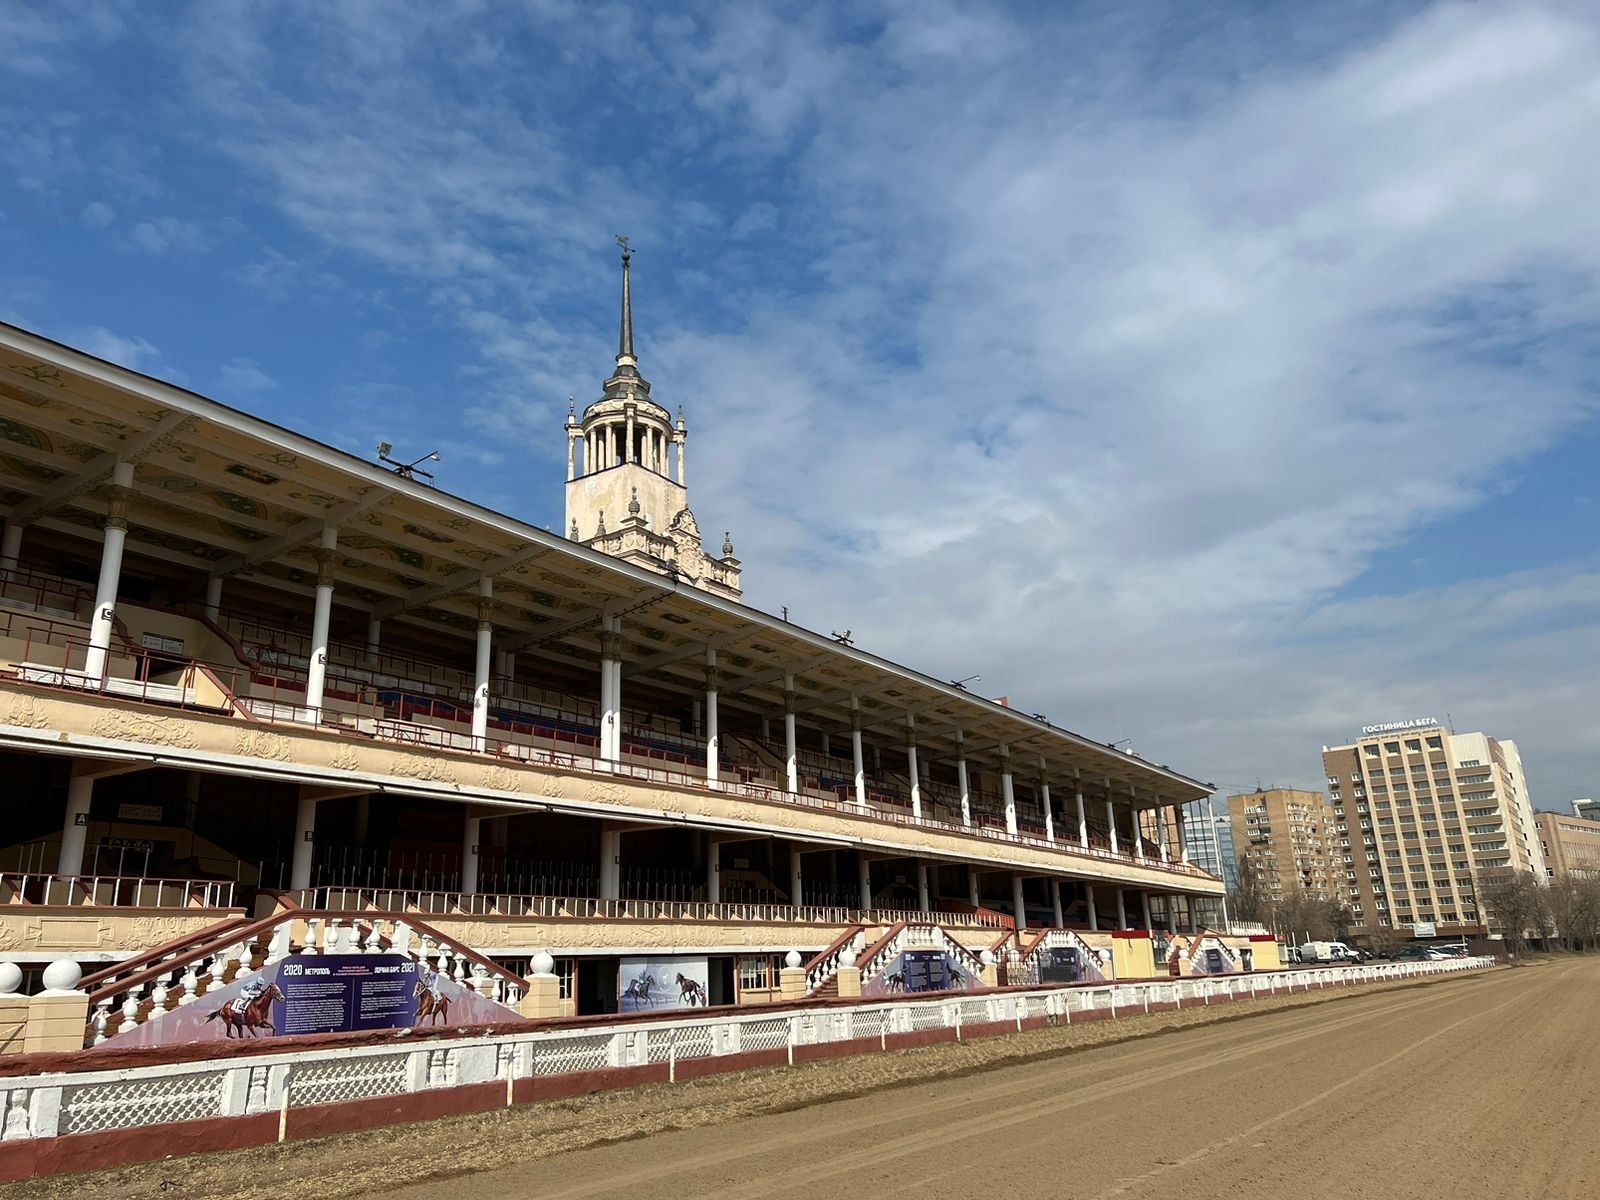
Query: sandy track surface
<point x="1474" y="1086"/>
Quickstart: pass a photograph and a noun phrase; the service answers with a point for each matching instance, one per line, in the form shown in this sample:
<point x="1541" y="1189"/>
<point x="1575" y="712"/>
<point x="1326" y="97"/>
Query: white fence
<point x="47" y="1105"/>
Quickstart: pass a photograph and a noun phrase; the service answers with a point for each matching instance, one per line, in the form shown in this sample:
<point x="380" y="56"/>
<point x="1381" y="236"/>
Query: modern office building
<point x="1571" y="845"/>
<point x="1422" y="814"/>
<point x="242" y="670"/>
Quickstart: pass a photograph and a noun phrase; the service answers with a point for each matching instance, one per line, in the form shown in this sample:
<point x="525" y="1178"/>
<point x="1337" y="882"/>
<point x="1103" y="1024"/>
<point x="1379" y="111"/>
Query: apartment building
<point x="1421" y="814"/>
<point x="1571" y="845"/>
<point x="1285" y="838"/>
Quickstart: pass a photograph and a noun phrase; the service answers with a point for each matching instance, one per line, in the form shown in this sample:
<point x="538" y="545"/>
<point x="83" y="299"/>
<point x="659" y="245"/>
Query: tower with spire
<point x="627" y="489"/>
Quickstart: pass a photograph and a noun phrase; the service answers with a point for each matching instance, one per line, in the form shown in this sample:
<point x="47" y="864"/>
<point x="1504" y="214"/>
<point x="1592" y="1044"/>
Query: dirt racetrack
<point x="1474" y="1086"/>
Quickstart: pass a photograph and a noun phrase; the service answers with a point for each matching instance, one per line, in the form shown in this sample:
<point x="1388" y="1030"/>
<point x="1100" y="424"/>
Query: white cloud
<point x="1101" y="378"/>
<point x="132" y="352"/>
<point x="168" y="235"/>
<point x="97" y="214"/>
<point x="244" y="375"/>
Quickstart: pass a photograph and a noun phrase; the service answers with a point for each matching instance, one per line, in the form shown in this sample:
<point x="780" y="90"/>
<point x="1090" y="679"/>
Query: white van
<point x="1327" y="952"/>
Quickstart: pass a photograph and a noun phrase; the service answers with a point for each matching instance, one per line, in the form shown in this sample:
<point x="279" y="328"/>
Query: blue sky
<point x="1220" y="379"/>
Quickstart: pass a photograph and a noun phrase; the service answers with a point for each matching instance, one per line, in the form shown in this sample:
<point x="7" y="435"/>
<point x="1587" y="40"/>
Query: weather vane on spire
<point x="627" y="250"/>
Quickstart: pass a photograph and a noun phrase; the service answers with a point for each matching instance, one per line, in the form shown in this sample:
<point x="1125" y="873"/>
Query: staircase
<point x="141" y="989"/>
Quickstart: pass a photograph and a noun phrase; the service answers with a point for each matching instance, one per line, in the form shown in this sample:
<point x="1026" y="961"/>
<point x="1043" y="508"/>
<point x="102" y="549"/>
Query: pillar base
<point x="792" y="983"/>
<point x="543" y="999"/>
<point x="849" y="981"/>
<point x="56" y="1021"/>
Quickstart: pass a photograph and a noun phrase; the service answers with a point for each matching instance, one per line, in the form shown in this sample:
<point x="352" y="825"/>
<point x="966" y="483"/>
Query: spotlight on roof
<point x="406" y="470"/>
<point x="962" y="683"/>
<point x="843" y="638"/>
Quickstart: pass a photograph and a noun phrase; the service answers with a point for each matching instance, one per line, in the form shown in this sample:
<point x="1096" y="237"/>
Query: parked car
<point x="1326" y="952"/>
<point x="1416" y="954"/>
<point x="1452" y="950"/>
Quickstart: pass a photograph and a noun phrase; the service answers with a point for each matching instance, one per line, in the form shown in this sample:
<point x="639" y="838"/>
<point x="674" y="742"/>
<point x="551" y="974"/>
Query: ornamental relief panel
<point x="258" y="743"/>
<point x="24" y="713"/>
<point x="141" y="727"/>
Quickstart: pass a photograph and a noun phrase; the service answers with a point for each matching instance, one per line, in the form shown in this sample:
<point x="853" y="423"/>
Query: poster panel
<point x="320" y="993"/>
<point x="918" y="971"/>
<point x="656" y="984"/>
<point x="1061" y="964"/>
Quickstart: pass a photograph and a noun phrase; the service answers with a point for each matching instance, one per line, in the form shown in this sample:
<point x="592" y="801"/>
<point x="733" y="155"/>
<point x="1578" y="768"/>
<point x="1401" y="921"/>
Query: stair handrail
<point x="825" y="966"/>
<point x="200" y="937"/>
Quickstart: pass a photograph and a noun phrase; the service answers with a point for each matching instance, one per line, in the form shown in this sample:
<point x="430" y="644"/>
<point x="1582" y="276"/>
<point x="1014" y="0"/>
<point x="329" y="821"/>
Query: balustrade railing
<point x="115" y="891"/>
<point x="83" y="1101"/>
<point x="385" y="715"/>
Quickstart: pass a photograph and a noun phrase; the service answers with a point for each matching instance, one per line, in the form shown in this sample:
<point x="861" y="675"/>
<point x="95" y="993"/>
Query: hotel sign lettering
<point x="1398" y="726"/>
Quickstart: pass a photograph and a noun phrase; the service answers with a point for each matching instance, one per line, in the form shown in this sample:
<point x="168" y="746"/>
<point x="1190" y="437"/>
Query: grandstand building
<point x="240" y="669"/>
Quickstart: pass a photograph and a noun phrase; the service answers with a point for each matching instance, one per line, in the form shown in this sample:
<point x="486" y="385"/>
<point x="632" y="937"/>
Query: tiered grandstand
<point x="241" y="672"/>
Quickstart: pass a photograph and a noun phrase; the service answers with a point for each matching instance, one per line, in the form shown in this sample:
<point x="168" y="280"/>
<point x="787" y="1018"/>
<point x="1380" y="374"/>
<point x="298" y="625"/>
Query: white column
<point x="1055" y="903"/>
<point x="972" y="886"/>
<point x="796" y="883"/>
<point x="627" y="453"/>
<point x="923" y="902"/>
<point x="911" y="766"/>
<point x="790" y="751"/>
<point x="1138" y="827"/>
<point x="1122" y="909"/>
<point x="374" y="640"/>
<point x="75" y="829"/>
<point x="1178" y="815"/>
<point x="712" y="743"/>
<point x="572" y="457"/>
<point x="305" y="835"/>
<point x="619" y="709"/>
<point x="683" y="445"/>
<point x="713" y="870"/>
<point x="214" y="598"/>
<point x="317" y="668"/>
<point x="609" y="742"/>
<point x="1145" y="896"/>
<point x="1094" y="911"/>
<point x="866" y="884"/>
<point x="856" y="758"/>
<point x="105" y="592"/>
<point x="1161" y="830"/>
<point x="480" y="678"/>
<point x="1007" y="791"/>
<point x="1044" y="802"/>
<point x="1083" y="817"/>
<point x="1111" y="818"/>
<point x="962" y="782"/>
<point x="10" y="549"/>
<point x="610" y="864"/>
<point x="471" y="833"/>
<point x="1018" y="902"/>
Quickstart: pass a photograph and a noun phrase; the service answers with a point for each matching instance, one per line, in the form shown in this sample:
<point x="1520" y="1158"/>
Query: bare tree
<point x="1574" y="908"/>
<point x="1249" y="901"/>
<point x="1518" y="903"/>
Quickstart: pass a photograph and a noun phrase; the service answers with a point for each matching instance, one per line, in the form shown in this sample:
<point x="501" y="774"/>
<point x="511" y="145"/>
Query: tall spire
<point x="627" y="364"/>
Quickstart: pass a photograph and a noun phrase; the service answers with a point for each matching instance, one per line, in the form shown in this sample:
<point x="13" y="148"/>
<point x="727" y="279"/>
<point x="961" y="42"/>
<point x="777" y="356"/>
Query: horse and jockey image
<point x="250" y="1010"/>
<point x="433" y="1004"/>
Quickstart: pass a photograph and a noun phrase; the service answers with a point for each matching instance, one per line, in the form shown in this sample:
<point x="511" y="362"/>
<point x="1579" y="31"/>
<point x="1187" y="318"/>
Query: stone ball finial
<point x="574" y="528"/>
<point x="987" y="958"/>
<point x="62" y="976"/>
<point x="727" y="544"/>
<point x="542" y="964"/>
<point x="790" y="960"/>
<point x="10" y="978"/>
<point x="847" y="958"/>
<point x="601" y="528"/>
<point x="633" y="504"/>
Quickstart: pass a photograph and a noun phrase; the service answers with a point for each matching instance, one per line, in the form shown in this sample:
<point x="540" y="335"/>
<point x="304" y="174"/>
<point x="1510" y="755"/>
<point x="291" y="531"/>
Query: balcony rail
<point x="115" y="891"/>
<point x="389" y="714"/>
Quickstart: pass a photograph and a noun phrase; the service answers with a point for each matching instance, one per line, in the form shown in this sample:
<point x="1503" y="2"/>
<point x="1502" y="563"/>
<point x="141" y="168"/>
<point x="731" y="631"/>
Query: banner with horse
<point x="654" y="984"/>
<point x="918" y="971"/>
<point x="321" y="993"/>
